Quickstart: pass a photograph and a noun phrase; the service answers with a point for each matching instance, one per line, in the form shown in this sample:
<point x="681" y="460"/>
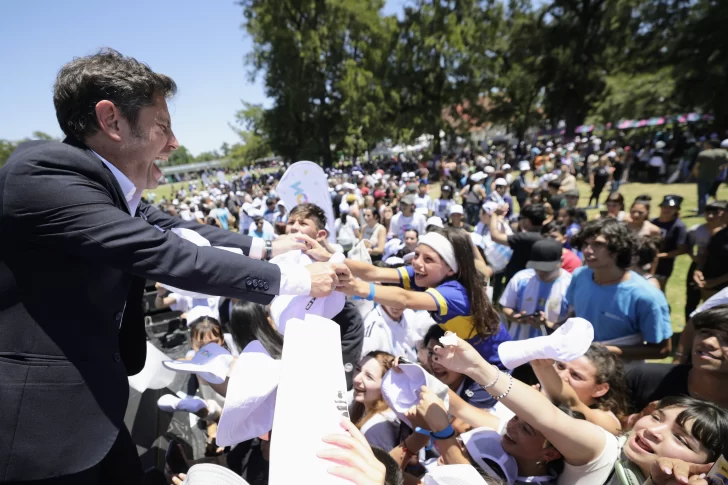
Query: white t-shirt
<point x="598" y="471"/>
<point x="345" y="234"/>
<point x="267" y="228"/>
<point x="401" y="224"/>
<point x="718" y="299"/>
<point x="382" y="333"/>
<point x="422" y="203"/>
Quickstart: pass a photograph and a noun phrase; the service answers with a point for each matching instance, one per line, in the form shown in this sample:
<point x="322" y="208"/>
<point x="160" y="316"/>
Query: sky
<point x="198" y="44"/>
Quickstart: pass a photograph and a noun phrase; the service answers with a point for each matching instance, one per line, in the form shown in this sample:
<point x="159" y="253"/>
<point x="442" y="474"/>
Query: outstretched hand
<point x="353" y="457"/>
<point x="462" y="357"/>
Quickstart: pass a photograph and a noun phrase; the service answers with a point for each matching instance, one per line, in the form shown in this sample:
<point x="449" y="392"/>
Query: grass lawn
<point x="676" y="284"/>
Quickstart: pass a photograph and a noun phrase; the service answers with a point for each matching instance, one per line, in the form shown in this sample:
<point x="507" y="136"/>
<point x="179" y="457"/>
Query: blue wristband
<point x="423" y="431"/>
<point x="369" y="297"/>
<point x="446" y="433"/>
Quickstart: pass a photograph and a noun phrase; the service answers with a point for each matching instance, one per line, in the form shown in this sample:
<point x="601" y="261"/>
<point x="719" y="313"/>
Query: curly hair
<point x="620" y="240"/>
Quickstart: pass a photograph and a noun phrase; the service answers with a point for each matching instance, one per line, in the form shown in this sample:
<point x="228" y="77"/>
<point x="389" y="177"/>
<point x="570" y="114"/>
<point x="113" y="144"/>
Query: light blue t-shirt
<point x="617" y="311"/>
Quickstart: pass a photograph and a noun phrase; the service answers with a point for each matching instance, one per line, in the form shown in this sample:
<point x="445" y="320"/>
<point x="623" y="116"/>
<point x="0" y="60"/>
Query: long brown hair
<point x="358" y="415"/>
<point x="609" y="370"/>
<point x="484" y="317"/>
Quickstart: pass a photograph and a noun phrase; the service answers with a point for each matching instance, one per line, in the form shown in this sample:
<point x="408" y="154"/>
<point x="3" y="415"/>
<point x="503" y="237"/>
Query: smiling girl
<point x="369" y="412"/>
<point x="442" y="280"/>
<point x="684" y="428"/>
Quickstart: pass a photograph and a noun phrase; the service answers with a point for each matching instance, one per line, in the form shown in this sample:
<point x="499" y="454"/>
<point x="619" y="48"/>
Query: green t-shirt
<point x="710" y="162"/>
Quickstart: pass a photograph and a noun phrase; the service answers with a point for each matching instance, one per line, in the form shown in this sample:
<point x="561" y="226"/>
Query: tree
<point x="180" y="156"/>
<point x="319" y="60"/>
<point x="39" y="135"/>
<point x="442" y="62"/>
<point x="254" y="137"/>
<point x="7" y="147"/>
<point x="208" y="156"/>
<point x="700" y="56"/>
<point x="225" y="149"/>
<point x="579" y="42"/>
<point x="516" y="96"/>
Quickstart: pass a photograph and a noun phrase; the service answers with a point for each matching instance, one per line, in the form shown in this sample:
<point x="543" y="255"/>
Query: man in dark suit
<point x="77" y="246"/>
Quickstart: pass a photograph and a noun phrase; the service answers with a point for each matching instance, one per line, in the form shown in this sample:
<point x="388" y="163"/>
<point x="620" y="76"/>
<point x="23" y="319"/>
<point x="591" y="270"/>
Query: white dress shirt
<point x="293" y="280"/>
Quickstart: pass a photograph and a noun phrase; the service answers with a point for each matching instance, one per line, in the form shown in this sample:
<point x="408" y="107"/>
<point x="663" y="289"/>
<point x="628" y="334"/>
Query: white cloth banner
<point x="308" y="406"/>
<point x="307" y="182"/>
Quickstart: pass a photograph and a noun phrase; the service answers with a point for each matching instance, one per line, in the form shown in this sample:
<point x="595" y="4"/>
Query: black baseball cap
<point x="545" y="255"/>
<point x="671" y="201"/>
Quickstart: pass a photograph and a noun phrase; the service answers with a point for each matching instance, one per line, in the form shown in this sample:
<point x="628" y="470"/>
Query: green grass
<point x="676" y="285"/>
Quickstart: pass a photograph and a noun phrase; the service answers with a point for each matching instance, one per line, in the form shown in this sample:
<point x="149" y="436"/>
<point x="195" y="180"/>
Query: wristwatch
<point x="268" y="250"/>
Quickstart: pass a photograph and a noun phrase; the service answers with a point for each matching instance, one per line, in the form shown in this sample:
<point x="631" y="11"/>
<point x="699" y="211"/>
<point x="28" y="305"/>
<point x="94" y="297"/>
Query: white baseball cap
<point x="434" y="221"/>
<point x="501" y="182"/>
<point x="724" y="143"/>
<point x="506" y="166"/>
<point x="489" y="169"/>
<point x="478" y="176"/>
<point x="456" y="209"/>
<point x="211" y="363"/>
<point x="524" y="165"/>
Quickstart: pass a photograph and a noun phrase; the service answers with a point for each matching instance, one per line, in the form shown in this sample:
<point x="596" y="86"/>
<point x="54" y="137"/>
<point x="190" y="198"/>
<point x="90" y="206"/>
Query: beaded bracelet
<point x="492" y="383"/>
<point x="510" y="386"/>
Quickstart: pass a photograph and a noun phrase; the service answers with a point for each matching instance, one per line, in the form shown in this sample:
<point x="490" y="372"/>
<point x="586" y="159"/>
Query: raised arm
<point x="369" y="272"/>
<point x="390" y="295"/>
<point x="579" y="442"/>
<point x="559" y="391"/>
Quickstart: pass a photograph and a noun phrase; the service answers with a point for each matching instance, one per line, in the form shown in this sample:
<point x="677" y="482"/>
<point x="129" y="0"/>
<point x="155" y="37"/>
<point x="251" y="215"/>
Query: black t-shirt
<point x="652" y="382"/>
<point x="518" y="189"/>
<point x="521" y="243"/>
<point x="674" y="234"/>
<point x="618" y="170"/>
<point x="716" y="262"/>
<point x="601" y="175"/>
<point x="555" y="201"/>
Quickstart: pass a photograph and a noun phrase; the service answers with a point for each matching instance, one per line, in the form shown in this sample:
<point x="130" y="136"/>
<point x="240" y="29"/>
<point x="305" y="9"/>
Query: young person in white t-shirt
<point x="392" y="330"/>
<point x="406" y="219"/>
<point x="347" y="229"/>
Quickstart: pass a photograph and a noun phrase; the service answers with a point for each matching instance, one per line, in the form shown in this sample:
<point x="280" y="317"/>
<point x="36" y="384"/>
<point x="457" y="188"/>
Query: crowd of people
<point x="499" y="255"/>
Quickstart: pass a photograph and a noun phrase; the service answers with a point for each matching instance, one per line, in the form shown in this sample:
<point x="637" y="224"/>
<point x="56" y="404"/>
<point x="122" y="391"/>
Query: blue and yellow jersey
<point x="453" y="314"/>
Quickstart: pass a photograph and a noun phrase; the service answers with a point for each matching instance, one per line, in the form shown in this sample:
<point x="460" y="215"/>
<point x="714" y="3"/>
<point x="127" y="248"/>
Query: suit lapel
<point x="117" y="194"/>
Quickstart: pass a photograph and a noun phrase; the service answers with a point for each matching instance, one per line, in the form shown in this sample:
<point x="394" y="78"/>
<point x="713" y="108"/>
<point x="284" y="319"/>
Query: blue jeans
<point x="703" y="189"/>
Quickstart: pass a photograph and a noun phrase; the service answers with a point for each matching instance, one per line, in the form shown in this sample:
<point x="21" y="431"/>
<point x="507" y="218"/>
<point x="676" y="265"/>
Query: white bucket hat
<point x="401" y="389"/>
<point x="209" y="474"/>
<point x="484" y="447"/>
<point x="251" y="397"/>
<point x="211" y="363"/>
<point x="285" y="307"/>
<point x="453" y="475"/>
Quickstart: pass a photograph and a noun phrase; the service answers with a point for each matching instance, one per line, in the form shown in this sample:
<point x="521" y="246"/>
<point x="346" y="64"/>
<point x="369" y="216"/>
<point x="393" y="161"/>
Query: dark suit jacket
<point x="73" y="262"/>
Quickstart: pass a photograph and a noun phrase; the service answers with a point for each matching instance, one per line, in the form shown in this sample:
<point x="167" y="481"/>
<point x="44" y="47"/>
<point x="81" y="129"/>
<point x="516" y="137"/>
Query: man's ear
<point x="109" y="119"/>
<point x="322" y="234"/>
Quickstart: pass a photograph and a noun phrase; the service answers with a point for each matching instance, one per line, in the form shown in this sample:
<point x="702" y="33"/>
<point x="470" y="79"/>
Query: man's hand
<point x="699" y="279"/>
<point x="290" y="242"/>
<point x="161" y="290"/>
<point x="326" y="276"/>
<point x="432" y="409"/>
<point x="501" y="210"/>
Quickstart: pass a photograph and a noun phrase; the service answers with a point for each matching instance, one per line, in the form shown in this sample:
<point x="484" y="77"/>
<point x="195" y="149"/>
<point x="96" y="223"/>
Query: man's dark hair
<point x="412" y="229"/>
<point x="621" y="241"/>
<point x="536" y="213"/>
<point x="309" y="211"/>
<point x="553" y="184"/>
<point x="393" y="475"/>
<point x="106" y="75"/>
<point x="553" y="226"/>
<point x="715" y="318"/>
